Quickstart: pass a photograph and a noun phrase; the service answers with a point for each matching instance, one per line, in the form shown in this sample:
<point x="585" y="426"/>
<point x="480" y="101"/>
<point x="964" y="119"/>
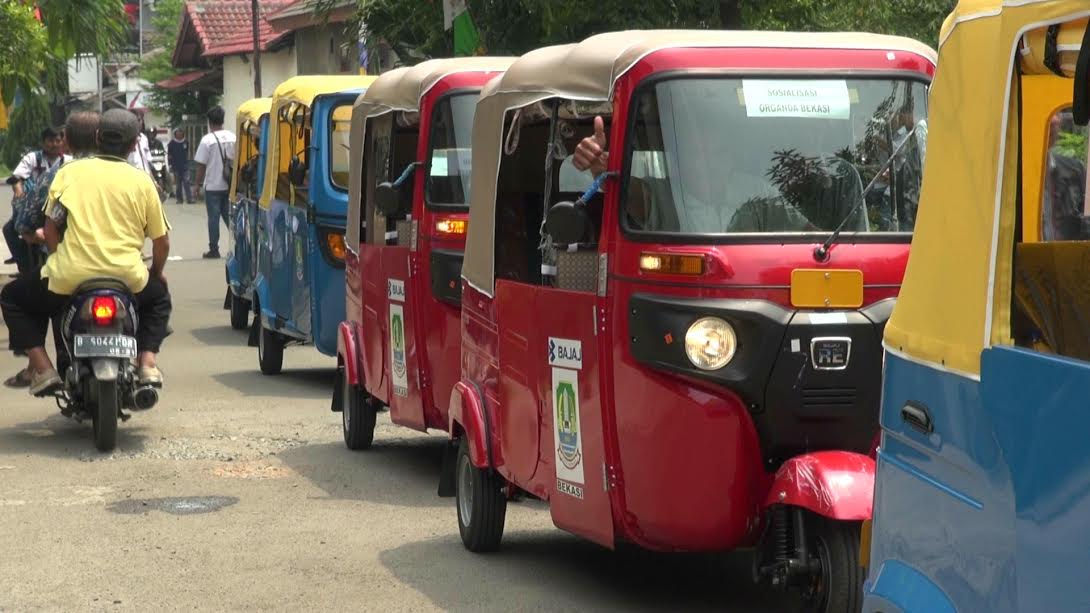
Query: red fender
<point x="348" y="351"/>
<point x="836" y="484"/>
<point x="467" y="414"/>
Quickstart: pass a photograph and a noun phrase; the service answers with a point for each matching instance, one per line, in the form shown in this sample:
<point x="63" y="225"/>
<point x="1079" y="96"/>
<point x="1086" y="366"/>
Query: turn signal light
<point x="103" y="309"/>
<point x="335" y="242"/>
<point x="451" y="227"/>
<point x="672" y="264"/>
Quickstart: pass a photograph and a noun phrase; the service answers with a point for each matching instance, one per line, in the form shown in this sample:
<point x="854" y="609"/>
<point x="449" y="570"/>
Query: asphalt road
<point x="237" y="493"/>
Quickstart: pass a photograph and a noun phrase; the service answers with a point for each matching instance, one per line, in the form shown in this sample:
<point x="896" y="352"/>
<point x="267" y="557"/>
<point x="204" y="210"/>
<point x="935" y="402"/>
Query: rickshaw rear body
<point x="680" y="459"/>
<point x="981" y="483"/>
<point x="404" y="294"/>
<point x="242" y="259"/>
<point x="301" y="225"/>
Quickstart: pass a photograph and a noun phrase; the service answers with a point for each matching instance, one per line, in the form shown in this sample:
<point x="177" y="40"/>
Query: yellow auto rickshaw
<point x="982" y="489"/>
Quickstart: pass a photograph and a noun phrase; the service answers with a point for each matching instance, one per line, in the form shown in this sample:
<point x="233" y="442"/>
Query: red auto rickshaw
<point x="409" y="197"/>
<point x="687" y="355"/>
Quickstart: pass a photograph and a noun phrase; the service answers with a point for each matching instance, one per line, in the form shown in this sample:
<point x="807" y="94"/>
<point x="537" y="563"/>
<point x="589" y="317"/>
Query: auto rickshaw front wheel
<point x="482" y="503"/>
<point x="838" y="585"/>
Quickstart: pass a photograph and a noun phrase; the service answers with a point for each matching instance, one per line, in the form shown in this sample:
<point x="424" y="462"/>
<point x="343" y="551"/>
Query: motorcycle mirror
<point x="567" y="223"/>
<point x="389" y="200"/>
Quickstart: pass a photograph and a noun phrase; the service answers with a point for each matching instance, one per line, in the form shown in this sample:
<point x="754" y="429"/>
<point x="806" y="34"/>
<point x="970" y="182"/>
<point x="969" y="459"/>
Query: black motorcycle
<point x="100" y="380"/>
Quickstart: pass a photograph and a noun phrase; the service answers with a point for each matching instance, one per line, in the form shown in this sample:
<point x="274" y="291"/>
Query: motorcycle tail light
<point x="103" y="310"/>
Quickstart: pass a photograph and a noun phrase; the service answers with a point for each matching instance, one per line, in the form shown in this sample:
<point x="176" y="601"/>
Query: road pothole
<point x="178" y="505"/>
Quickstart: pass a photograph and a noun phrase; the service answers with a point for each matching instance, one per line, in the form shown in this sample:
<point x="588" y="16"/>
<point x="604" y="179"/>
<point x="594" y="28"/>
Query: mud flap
<point x="447" y="487"/>
<point x="255" y="331"/>
<point x="227" y="300"/>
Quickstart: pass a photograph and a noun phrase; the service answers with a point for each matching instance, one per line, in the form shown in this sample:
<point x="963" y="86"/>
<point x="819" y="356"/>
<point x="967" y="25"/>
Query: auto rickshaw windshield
<point x="451" y="147"/>
<point x="714" y="155"/>
<point x="341" y="124"/>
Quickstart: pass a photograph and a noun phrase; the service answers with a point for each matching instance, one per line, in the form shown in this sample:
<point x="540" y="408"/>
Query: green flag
<point x="456" y="17"/>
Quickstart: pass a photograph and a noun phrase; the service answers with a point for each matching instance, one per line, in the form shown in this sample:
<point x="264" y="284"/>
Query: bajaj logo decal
<point x="397" y="350"/>
<point x="567" y="439"/>
<point x="396" y="290"/>
<point x="830" y="352"/>
<point x="566" y="353"/>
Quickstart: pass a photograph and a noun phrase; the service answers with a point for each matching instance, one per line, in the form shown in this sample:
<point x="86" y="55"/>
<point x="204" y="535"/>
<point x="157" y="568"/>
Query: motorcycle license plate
<point x="104" y="346"/>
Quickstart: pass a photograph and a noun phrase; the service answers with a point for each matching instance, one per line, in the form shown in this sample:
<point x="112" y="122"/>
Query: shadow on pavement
<point x="401" y="472"/>
<point x="60" y="437"/>
<point x="221" y="336"/>
<point x="308" y="383"/>
<point x="553" y="570"/>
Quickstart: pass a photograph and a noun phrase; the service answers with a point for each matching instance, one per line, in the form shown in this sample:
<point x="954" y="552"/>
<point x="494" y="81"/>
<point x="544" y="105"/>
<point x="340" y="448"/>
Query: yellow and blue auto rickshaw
<point x="982" y="490"/>
<point x="299" y="287"/>
<point x="247" y="179"/>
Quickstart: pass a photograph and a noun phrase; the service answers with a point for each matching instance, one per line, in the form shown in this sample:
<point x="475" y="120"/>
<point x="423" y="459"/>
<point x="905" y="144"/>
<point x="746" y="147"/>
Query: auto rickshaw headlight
<point x="710" y="343"/>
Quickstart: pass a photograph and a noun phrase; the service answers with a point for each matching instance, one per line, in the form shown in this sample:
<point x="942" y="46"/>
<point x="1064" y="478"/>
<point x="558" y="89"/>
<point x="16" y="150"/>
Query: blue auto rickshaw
<point x="246" y="182"/>
<point x="982" y="489"/>
<point x="299" y="286"/>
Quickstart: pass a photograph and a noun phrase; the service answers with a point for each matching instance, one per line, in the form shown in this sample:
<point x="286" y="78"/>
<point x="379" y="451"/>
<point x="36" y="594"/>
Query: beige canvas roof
<point x="588" y="71"/>
<point x="401" y="89"/>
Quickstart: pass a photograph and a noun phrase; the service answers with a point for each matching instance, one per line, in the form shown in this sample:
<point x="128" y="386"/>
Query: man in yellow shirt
<point x="100" y="211"/>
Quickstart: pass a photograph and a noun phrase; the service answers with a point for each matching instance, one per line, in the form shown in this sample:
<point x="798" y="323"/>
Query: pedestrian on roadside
<point x="178" y="160"/>
<point x="22" y="179"/>
<point x="141" y="156"/>
<point x="213" y="158"/>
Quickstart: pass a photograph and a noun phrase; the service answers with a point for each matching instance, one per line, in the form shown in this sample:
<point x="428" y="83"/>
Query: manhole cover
<point x="179" y="505"/>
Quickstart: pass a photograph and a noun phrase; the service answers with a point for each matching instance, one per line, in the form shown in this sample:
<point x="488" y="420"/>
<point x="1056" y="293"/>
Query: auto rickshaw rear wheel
<point x="358" y="413"/>
<point x="839" y="584"/>
<point x="482" y="503"/>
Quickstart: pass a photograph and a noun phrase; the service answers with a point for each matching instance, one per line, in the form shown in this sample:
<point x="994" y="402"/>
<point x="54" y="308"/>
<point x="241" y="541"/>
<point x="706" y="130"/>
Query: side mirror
<point x="297" y="172"/>
<point x="568" y="223"/>
<point x="388" y="200"/>
<point x="1080" y="107"/>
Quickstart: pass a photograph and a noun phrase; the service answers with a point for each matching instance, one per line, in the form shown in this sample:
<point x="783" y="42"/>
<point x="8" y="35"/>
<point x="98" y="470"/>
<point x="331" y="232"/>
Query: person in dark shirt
<point x="178" y="160"/>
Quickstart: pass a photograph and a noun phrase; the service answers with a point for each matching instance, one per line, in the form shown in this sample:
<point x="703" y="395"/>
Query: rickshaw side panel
<point x="480" y="367"/>
<point x="375" y="323"/>
<point x="348" y="350"/>
<point x="519" y="421"/>
<point x="959" y="470"/>
<point x="327" y="289"/>
<point x="403" y="360"/>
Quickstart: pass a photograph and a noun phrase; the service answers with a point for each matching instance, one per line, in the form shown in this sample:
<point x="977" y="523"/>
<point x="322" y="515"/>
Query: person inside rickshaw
<point x="702" y="166"/>
<point x="1063" y="211"/>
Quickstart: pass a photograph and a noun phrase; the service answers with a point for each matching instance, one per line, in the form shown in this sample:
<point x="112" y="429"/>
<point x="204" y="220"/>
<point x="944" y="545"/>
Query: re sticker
<point x="397" y="350"/>
<point x="566" y="436"/>
<point x="828" y="99"/>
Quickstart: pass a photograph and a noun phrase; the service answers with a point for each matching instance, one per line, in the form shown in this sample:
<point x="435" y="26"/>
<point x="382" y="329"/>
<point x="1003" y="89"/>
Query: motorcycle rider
<point x="100" y="210"/>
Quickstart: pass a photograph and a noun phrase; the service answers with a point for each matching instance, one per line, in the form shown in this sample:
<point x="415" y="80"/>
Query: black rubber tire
<point x="486" y="505"/>
<point x="104" y="419"/>
<point x="836" y="545"/>
<point x="357" y="415"/>
<point x="270" y="352"/>
<point x="240" y="312"/>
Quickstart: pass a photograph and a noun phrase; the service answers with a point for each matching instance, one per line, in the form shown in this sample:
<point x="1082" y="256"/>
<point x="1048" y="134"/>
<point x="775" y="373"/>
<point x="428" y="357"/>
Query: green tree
<point x="414" y="29"/>
<point x="156" y="65"/>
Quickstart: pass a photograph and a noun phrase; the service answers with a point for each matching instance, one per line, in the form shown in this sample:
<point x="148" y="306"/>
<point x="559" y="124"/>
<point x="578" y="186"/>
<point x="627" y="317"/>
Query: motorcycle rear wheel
<point x="104" y="418"/>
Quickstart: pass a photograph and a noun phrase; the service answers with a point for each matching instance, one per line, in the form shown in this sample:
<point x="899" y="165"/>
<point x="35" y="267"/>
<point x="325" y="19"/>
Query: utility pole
<point x="257" y="48"/>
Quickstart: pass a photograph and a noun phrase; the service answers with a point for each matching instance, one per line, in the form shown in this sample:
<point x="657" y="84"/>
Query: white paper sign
<point x="827" y="99"/>
<point x="395" y="289"/>
<point x="567" y="439"/>
<point x="397" y="350"/>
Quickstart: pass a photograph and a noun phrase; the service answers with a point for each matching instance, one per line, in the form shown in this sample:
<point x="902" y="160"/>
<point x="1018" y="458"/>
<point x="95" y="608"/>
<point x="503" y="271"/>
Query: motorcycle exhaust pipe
<point x="144" y="398"/>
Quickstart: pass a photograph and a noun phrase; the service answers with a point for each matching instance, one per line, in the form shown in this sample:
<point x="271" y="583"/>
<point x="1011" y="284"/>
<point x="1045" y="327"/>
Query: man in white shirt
<point x="30" y="168"/>
<point x="140" y="157"/>
<point x="213" y="158"/>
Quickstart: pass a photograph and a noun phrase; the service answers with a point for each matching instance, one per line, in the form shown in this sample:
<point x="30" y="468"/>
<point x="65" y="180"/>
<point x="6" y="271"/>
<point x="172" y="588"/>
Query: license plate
<point x="826" y="289"/>
<point x="104" y="346"/>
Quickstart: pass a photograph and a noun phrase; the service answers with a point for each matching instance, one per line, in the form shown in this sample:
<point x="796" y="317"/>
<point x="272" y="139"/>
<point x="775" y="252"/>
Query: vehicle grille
<point x="828" y="397"/>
